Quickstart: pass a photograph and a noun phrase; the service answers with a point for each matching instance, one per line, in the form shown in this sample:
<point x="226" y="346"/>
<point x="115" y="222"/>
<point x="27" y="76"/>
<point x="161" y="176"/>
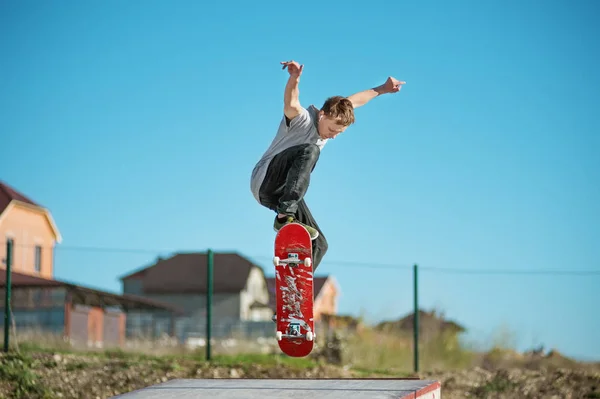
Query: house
<point x="32" y="231"/>
<point x="80" y="315"/>
<point x="49" y="306"/>
<point x="240" y="294"/>
<point x="326" y="293"/>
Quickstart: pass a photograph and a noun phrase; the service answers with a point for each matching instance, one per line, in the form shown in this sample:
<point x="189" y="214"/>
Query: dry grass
<point x="37" y="340"/>
<point x="366" y="350"/>
<point x="393" y="353"/>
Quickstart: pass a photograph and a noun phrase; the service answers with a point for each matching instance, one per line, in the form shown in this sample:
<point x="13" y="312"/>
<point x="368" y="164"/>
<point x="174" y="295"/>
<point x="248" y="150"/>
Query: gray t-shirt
<point x="302" y="129"/>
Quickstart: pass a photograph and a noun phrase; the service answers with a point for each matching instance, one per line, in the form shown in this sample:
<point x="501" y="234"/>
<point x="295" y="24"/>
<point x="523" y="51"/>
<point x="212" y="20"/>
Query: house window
<point x="38" y="259"/>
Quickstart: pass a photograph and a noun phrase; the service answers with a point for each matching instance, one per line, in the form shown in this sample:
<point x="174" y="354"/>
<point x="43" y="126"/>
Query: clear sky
<point x="138" y="124"/>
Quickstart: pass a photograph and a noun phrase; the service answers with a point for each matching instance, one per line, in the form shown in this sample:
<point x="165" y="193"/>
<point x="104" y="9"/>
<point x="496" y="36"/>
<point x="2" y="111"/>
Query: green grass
<point x="172" y="361"/>
<point x="367" y="372"/>
<point x="18" y="369"/>
<point x="366" y="352"/>
<point x="497" y="385"/>
<point x="264" y="360"/>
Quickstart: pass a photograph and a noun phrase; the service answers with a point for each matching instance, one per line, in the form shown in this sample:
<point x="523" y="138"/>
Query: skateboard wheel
<point x="278" y="335"/>
<point x="309" y="336"/>
<point x="307" y="262"/>
<point x="276" y="260"/>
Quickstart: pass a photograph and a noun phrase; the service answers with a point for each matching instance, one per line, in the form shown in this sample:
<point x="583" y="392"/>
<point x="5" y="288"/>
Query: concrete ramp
<point x="290" y="388"/>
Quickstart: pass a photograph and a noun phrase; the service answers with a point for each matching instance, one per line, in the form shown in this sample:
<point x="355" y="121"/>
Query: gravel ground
<point x="48" y="375"/>
<point x="518" y="383"/>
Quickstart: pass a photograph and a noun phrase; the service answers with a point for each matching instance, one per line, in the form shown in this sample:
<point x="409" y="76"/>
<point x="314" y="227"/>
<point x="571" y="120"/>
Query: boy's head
<point x="337" y="113"/>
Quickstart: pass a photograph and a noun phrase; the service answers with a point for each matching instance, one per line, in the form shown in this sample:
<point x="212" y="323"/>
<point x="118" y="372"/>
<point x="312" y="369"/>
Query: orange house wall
<point x="326" y="302"/>
<point x="27" y="228"/>
<point x="122" y="324"/>
<point x="95" y="325"/>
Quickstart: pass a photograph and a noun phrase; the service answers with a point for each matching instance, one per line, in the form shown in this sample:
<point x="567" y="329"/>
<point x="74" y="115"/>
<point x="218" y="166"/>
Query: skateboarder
<point x="281" y="177"/>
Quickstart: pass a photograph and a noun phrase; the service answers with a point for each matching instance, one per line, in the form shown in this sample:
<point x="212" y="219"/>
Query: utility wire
<point x="364" y="265"/>
<point x="354" y="264"/>
<point x="512" y="271"/>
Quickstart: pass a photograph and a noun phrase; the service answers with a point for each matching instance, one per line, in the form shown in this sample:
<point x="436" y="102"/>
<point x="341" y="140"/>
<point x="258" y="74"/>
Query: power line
<point x="512" y="271"/>
<point x="354" y="264"/>
<point x="372" y="265"/>
<point x="364" y="265"/>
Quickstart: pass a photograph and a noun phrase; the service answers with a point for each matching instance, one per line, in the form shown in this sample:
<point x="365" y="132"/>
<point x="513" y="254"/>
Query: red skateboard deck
<point x="294" y="290"/>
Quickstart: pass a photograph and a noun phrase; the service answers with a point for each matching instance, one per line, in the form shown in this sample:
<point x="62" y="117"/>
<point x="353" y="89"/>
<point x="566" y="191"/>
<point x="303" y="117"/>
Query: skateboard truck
<point x="292" y="260"/>
<point x="294" y="333"/>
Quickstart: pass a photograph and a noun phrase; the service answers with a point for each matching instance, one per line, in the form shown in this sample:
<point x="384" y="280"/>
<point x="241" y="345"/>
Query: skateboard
<point x="294" y="290"/>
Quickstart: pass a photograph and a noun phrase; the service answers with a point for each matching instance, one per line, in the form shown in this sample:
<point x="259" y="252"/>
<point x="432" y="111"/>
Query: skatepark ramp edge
<point x="388" y="388"/>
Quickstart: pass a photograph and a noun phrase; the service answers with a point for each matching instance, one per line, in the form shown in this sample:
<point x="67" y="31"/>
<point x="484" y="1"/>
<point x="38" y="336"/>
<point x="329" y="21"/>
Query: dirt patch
<point x="53" y="375"/>
<point x="74" y="376"/>
<point x="518" y="383"/>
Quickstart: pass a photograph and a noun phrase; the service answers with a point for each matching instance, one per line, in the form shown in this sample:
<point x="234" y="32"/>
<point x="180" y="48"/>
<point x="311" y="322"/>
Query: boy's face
<point x="329" y="127"/>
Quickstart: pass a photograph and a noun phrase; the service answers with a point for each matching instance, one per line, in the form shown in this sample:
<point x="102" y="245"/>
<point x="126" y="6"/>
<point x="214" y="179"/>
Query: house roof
<point x="318" y="283"/>
<point x="26" y="280"/>
<point x="187" y="273"/>
<point x="9" y="196"/>
<point x="85" y="295"/>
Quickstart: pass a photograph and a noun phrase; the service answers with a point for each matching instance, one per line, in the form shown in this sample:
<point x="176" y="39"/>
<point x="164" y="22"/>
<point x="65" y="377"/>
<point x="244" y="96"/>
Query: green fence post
<point x="209" y="293"/>
<point x="416" y="320"/>
<point x="7" y="289"/>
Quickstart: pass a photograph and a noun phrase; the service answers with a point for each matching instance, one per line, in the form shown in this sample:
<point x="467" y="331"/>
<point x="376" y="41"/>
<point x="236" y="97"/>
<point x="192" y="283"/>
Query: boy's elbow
<point x="292" y="110"/>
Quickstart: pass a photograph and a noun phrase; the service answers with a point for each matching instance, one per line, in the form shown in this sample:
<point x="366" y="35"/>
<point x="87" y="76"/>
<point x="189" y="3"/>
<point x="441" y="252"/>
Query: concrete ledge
<point x="290" y="388"/>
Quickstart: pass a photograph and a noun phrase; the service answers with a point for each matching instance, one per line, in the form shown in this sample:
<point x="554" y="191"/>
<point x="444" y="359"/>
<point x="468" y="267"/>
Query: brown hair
<point x="341" y="108"/>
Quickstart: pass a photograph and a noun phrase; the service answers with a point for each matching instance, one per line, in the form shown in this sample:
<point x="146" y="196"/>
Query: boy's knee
<point x="312" y="151"/>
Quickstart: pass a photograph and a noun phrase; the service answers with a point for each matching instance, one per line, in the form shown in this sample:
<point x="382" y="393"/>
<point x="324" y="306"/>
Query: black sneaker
<point x="314" y="233"/>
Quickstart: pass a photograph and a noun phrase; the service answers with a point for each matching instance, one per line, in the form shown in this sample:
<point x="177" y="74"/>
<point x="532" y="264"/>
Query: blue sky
<point x="138" y="125"/>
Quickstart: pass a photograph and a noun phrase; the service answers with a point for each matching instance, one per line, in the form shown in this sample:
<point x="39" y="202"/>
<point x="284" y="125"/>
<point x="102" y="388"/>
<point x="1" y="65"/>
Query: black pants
<point x="285" y="184"/>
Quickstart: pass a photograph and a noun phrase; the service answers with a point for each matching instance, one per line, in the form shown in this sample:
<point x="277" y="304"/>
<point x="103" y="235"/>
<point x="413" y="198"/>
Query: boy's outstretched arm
<point x="291" y="99"/>
<point x="391" y="85"/>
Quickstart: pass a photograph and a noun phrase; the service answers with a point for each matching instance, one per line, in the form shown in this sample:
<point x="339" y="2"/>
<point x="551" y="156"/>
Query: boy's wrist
<point x="380" y="89"/>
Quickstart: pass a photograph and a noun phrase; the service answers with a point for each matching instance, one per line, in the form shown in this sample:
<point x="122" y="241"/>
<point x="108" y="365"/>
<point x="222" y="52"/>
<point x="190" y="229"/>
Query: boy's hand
<point x="294" y="68"/>
<point x="392" y="85"/>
